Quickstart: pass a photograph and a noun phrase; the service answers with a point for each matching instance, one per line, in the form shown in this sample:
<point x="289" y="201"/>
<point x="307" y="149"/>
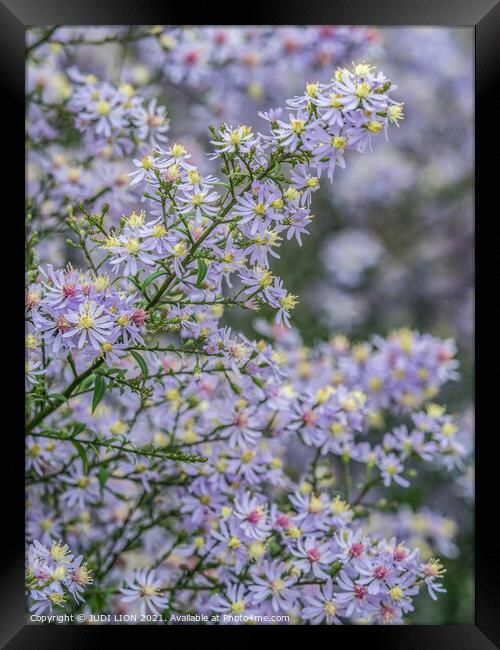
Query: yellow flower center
<point x="102" y="107"/>
<point x="101" y="282"/>
<point x="297" y="125"/>
<point x="395" y="112"/>
<point x="256" y="550"/>
<point x="338" y="506"/>
<point x="179" y="249"/>
<point x="334" y="100"/>
<point x="247" y="456"/>
<point x="277" y="586"/>
<point x="118" y="428"/>
<point x="363" y="69"/>
<point x="148" y="591"/>
<point x="374" y="126"/>
<point x="59" y="573"/>
<point x="435" y="410"/>
<point x="337" y="429"/>
<point x="58" y="552"/>
<point x="197" y="199"/>
<point x="34" y="450"/>
<point x="46" y="524"/>
<point x="362" y="90"/>
<point x="266" y="279"/>
<point x="315" y="505"/>
<point x="312" y="89"/>
<point x="238" y="607"/>
<point x="57" y="599"/>
<point x="178" y="151"/>
<point x="31" y="342"/>
<point x="136" y="220"/>
<point x="122" y="320"/>
<point x="86" y="321"/>
<point x="132" y="246"/>
<point x="159" y="230"/>
<point x="396" y="593"/>
<point x="375" y="383"/>
<point x="448" y="429"/>
<point x="235" y="136"/>
<point x="330" y="608"/>
<point x="289" y="301"/>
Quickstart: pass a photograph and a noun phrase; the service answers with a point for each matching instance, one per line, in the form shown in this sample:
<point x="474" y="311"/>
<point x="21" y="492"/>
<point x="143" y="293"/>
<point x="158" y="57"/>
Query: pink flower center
<point x="282" y="521"/>
<point x="69" y="290"/>
<point x="139" y="317"/>
<point x="254" y="516"/>
<point x="191" y="58"/>
<point x="122" y="180"/>
<point x="220" y="38"/>
<point x="359" y="591"/>
<point x="326" y="32"/>
<point x="399" y="554"/>
<point x="42" y="574"/>
<point x="308" y="417"/>
<point x="386" y="612"/>
<point x="314" y="554"/>
<point x="380" y="572"/>
<point x="241" y="419"/>
<point x="290" y="46"/>
<point x="357" y="549"/>
<point x="443" y="356"/>
<point x="251" y="59"/>
<point x="62" y="324"/>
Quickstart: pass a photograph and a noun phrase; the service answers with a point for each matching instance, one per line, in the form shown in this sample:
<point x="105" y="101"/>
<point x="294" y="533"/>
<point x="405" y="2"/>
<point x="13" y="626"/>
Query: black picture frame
<point x="15" y="16"/>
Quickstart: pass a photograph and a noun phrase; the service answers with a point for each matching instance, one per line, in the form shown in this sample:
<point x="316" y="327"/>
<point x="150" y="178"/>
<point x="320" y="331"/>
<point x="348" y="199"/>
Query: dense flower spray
<point x="195" y="469"/>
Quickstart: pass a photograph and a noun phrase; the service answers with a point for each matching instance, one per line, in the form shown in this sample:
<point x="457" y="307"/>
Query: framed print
<point x="249" y="324"/>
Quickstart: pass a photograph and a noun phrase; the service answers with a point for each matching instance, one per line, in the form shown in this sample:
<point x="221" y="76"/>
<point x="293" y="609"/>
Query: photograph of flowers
<point x="249" y="325"/>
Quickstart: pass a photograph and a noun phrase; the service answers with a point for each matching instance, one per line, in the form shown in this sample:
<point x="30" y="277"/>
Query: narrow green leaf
<point x="140" y="362"/>
<point x="103" y="475"/>
<point x="135" y="282"/>
<point x="153" y="277"/>
<point x="202" y="271"/>
<point x="83" y="455"/>
<point x="79" y="427"/>
<point x="99" y="390"/>
<point x="58" y="396"/>
<point x="86" y="383"/>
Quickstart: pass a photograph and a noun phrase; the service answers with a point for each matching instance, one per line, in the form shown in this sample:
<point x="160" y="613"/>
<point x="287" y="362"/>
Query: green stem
<point x="163" y="455"/>
<point x="67" y="393"/>
<point x="203" y="237"/>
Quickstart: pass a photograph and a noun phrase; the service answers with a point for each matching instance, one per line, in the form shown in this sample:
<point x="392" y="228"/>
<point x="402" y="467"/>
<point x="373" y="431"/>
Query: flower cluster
<point x="54" y="573"/>
<point x="304" y="547"/>
<point x="240" y="69"/>
<point x="308" y="561"/>
<point x="115" y="117"/>
<point x="407" y="209"/>
<point x="432" y="533"/>
<point x="80" y="125"/>
<point x="72" y="311"/>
